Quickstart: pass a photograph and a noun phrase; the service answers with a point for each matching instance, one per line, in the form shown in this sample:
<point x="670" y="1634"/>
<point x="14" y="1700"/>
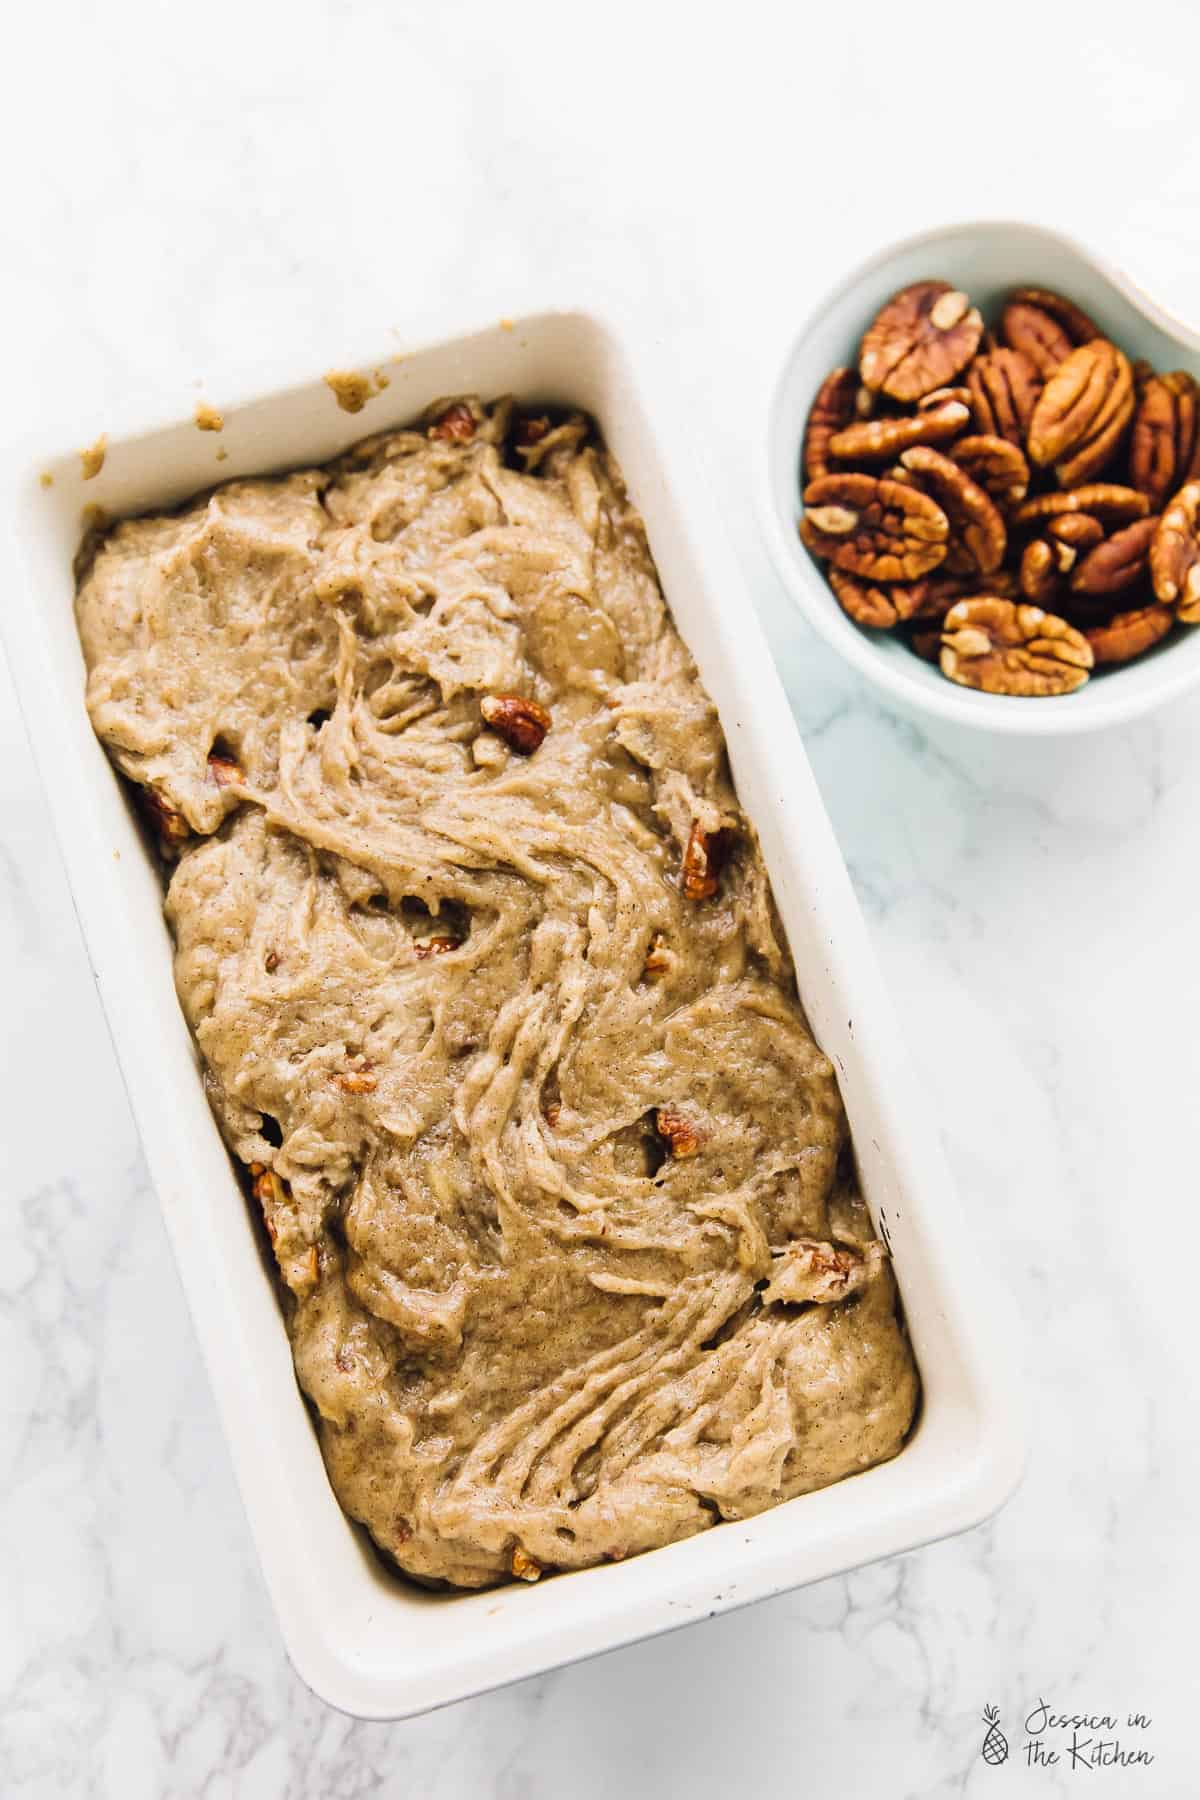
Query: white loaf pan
<point x="364" y="1640"/>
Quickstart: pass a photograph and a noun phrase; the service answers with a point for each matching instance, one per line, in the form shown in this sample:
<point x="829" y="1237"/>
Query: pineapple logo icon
<point x="995" y="1744"/>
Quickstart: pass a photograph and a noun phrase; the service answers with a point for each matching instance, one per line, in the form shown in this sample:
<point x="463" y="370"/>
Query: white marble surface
<point x="200" y="191"/>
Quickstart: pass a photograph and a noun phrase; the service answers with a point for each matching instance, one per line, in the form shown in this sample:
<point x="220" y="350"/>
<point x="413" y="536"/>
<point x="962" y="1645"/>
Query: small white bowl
<point x="985" y="259"/>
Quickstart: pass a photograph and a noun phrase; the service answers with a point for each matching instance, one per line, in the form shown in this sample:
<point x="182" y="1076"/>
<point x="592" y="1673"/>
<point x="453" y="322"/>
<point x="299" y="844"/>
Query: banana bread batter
<point x="493" y="1004"/>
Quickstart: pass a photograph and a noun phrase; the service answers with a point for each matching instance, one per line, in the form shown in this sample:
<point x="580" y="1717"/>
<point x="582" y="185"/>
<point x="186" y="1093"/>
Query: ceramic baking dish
<point x="364" y="1640"/>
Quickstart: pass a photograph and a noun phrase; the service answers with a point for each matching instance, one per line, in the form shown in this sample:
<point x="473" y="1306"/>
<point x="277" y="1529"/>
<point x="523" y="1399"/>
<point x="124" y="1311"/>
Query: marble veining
<point x="200" y="202"/>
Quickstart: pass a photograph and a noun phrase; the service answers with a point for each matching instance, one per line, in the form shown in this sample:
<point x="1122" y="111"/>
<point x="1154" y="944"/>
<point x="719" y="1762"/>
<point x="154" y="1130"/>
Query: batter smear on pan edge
<point x="492" y="1000"/>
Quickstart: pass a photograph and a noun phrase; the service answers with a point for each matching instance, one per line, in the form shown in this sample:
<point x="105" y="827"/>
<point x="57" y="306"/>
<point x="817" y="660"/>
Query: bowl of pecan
<point x="983" y="482"/>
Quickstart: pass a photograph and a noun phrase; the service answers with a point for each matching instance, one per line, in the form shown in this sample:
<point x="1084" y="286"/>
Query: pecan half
<point x="1081" y="412"/>
<point x="920" y="340"/>
<point x="1004" y="648"/>
<point x="976" y="522"/>
<point x="1070" y="537"/>
<point x="997" y="465"/>
<point x="1040" y="573"/>
<point x="833" y="409"/>
<point x="1162" y="444"/>
<point x="1107" y="501"/>
<point x="873" y="527"/>
<point x="1036" y="334"/>
<point x="1074" y="531"/>
<point x="1175" y="555"/>
<point x="870" y="603"/>
<point x="681" y="1135"/>
<point x="704" y="857"/>
<point x="1004" y="385"/>
<point x="1079" y="327"/>
<point x="521" y="722"/>
<point x="455" y="425"/>
<point x="1129" y="634"/>
<point x="1118" y="562"/>
<point x="879" y="440"/>
<point x="1047" y="561"/>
